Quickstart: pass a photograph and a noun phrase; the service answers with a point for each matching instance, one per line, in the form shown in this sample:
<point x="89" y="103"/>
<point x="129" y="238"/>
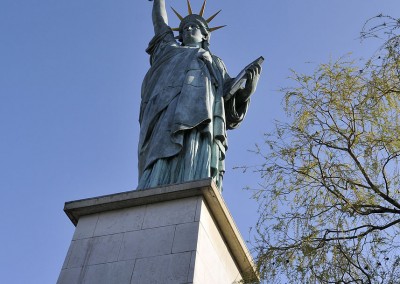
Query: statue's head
<point x="194" y="28"/>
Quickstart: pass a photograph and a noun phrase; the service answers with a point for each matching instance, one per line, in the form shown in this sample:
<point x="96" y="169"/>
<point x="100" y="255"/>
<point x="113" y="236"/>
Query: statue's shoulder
<point x="163" y="37"/>
<point x="220" y="63"/>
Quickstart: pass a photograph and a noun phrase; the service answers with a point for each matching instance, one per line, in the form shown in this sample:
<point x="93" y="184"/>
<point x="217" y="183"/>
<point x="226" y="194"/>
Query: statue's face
<point x="191" y="34"/>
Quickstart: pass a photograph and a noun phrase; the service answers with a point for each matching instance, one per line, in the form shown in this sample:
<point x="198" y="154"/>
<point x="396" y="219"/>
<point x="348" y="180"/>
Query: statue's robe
<point x="183" y="115"/>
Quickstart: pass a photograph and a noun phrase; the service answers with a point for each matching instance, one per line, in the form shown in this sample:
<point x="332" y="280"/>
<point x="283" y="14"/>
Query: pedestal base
<point x="174" y="234"/>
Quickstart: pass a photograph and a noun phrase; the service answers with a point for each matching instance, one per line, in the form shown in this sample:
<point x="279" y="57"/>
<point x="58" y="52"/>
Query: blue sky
<point x="70" y="78"/>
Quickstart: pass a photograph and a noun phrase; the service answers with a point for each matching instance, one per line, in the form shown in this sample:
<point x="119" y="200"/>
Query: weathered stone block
<point x="72" y="275"/>
<point x="105" y="249"/>
<point x="145" y="243"/>
<point x="125" y="220"/>
<point x="186" y="236"/>
<point x="79" y="253"/>
<point x="167" y="269"/>
<point x="170" y="213"/>
<point x="85" y="227"/>
<point x="109" y="273"/>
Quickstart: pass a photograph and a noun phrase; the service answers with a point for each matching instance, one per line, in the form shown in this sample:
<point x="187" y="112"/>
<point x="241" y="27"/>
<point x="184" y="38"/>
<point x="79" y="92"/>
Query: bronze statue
<point x="188" y="103"/>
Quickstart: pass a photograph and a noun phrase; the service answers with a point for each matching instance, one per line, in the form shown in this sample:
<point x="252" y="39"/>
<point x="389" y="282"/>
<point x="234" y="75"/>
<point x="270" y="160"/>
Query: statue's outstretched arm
<point x="160" y="17"/>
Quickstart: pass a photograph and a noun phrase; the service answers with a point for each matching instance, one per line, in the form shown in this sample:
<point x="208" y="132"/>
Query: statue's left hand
<point x="253" y="75"/>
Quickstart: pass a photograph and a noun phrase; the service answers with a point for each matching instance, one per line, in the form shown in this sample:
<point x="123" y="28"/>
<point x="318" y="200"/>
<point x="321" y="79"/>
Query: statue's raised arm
<point x="159" y="15"/>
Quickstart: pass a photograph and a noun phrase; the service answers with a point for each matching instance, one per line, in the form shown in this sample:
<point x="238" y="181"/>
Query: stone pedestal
<point x="174" y="234"/>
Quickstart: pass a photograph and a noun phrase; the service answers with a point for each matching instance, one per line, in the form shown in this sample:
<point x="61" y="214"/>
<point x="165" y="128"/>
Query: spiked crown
<point x="196" y="18"/>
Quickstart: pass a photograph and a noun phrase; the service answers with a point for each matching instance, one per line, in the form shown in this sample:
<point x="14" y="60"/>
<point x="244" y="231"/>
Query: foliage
<point x="330" y="197"/>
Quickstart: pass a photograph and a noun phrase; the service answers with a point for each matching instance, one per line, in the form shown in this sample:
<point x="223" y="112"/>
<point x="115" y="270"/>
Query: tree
<point x="330" y="196"/>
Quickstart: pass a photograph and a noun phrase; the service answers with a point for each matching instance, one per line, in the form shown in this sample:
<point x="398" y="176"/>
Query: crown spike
<point x="203" y="8"/>
<point x="177" y="14"/>
<point x="212" y="17"/>
<point x="217" y="28"/>
<point x="189" y="8"/>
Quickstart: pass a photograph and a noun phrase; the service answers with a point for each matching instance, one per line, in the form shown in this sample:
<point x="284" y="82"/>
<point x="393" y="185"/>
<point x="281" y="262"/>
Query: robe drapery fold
<point x="183" y="115"/>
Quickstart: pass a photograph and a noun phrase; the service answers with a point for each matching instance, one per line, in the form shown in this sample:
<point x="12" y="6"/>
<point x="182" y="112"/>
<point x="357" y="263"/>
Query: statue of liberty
<point x="188" y="103"/>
